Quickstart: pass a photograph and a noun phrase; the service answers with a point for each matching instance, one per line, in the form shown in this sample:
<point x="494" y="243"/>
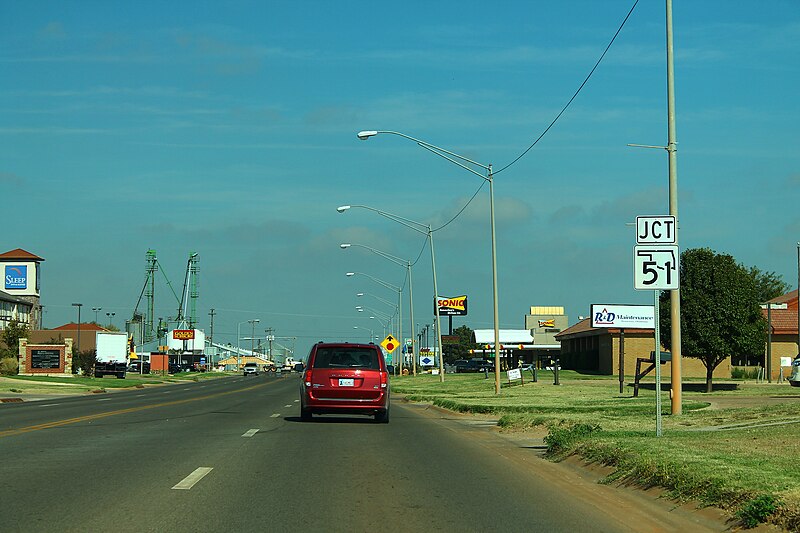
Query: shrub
<point x="9" y="366"/>
<point x="83" y="360"/>
<point x="757" y="510"/>
<point x="741" y="372"/>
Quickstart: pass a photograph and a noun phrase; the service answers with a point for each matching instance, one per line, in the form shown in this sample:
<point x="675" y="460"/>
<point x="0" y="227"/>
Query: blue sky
<point x="229" y="129"/>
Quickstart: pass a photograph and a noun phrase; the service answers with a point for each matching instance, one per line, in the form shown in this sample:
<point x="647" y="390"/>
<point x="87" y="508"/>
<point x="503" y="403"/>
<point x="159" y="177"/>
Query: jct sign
<point x="656" y="259"/>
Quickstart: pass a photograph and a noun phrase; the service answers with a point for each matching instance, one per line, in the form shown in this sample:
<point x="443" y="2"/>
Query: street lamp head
<point x="366" y="134"/>
<point x="342" y="208"/>
<point x="349" y="274"/>
<point x="345" y="245"/>
<point x="359" y="294"/>
<point x="77" y="305"/>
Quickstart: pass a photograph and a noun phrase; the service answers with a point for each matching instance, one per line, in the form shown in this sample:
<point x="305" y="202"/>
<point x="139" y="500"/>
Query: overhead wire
<point x="553" y="122"/>
<point x="577" y="92"/>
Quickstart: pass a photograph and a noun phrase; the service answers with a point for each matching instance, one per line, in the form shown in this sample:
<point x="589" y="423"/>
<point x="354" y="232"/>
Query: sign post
<point x="656" y="264"/>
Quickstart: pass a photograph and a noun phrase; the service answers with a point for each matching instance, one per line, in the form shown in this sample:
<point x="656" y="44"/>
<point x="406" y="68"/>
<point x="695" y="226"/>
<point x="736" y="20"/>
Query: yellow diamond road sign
<point x="390" y="343"/>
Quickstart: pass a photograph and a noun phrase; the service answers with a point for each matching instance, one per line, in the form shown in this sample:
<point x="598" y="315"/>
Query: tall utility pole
<point x="213" y="350"/>
<point x="798" y="298"/>
<point x="270" y="338"/>
<point x="672" y="149"/>
<point x="211" y="337"/>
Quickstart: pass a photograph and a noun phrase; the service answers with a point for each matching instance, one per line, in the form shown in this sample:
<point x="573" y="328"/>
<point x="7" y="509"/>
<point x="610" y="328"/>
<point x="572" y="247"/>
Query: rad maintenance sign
<point x="623" y="316"/>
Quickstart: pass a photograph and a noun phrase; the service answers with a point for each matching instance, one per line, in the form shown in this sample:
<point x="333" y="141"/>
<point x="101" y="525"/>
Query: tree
<point x="461" y="349"/>
<point x="10" y="338"/>
<point x="768" y="284"/>
<point x="720" y="312"/>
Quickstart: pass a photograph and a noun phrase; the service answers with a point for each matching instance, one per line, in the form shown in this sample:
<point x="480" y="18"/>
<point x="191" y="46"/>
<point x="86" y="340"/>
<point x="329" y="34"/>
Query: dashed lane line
<point x="250" y="433"/>
<point x="192" y="479"/>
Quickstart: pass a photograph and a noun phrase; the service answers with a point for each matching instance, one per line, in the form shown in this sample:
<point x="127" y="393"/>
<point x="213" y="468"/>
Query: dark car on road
<point x="345" y="378"/>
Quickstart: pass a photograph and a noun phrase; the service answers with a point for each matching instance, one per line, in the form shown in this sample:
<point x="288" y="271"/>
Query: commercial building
<point x="19" y="291"/>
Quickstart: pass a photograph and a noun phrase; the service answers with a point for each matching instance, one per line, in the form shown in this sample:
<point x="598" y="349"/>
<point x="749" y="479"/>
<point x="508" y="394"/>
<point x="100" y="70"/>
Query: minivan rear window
<point x="342" y="357"/>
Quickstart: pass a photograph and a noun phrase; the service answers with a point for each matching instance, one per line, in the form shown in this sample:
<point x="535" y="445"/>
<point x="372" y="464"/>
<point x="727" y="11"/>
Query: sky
<point x="229" y="129"/>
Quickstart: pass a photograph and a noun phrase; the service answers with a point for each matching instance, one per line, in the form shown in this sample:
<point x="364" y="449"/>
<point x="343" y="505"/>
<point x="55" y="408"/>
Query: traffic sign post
<point x="390" y="343"/>
<point x="656" y="267"/>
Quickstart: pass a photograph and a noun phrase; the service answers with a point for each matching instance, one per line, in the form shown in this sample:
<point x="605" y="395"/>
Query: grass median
<point x="80" y="384"/>
<point x="735" y="449"/>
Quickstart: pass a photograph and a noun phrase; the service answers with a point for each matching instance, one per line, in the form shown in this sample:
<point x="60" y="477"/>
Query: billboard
<point x="623" y="316"/>
<point x="183" y="334"/>
<point x="451" y="306"/>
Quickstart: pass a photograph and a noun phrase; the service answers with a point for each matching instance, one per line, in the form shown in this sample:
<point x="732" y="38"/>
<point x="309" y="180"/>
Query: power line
<point x="585" y="81"/>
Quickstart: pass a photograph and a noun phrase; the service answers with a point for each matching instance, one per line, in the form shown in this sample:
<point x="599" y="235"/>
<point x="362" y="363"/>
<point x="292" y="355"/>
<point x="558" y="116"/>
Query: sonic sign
<point x="452" y="306"/>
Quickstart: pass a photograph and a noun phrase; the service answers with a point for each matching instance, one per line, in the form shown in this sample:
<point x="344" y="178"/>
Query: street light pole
<point x="371" y="333"/>
<point x="464" y="163"/>
<point x="398" y="261"/>
<point x="675" y="294"/>
<point x="96" y="309"/>
<point x="238" y="341"/>
<point x="425" y="229"/>
<point x="399" y="299"/>
<point x="253" y="334"/>
<point x="79" y="305"/>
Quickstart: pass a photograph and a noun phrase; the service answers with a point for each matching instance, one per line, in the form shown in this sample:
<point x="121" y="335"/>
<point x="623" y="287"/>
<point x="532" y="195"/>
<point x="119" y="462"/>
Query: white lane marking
<point x="139" y="395"/>
<point x="192" y="479"/>
<point x="288" y="405"/>
<point x="166" y="392"/>
<point x="187" y="388"/>
<point x="275" y="415"/>
<point x="103" y="399"/>
<point x="250" y="433"/>
<point x="48" y="405"/>
<point x="296" y="401"/>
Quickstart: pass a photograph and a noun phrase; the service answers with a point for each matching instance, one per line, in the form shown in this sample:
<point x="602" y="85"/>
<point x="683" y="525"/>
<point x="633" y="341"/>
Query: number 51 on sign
<point x="656" y="267"/>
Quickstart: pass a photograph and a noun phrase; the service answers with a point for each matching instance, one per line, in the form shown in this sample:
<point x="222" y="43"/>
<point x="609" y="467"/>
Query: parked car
<point x="473" y="365"/>
<point x="250" y="369"/>
<point x="794" y="378"/>
<point x="135" y="368"/>
<point x="345" y="378"/>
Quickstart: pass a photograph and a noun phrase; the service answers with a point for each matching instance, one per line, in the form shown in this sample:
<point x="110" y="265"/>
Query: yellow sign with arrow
<point x="390" y="343"/>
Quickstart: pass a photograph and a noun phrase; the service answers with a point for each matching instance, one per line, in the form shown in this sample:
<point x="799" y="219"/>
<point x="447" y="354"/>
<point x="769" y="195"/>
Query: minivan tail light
<point x="384" y="379"/>
<point x="307" y="377"/>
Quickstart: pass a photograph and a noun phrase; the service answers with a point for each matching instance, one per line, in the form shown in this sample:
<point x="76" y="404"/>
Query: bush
<point x="743" y="372"/>
<point x="9" y="366"/>
<point x="757" y="510"/>
<point x="84" y="360"/>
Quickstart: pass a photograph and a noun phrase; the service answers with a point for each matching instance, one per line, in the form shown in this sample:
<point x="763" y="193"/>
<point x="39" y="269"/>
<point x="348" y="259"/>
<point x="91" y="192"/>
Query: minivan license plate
<point x="346" y="382"/>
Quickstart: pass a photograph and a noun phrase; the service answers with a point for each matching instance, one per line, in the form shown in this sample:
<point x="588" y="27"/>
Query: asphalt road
<point x="231" y="454"/>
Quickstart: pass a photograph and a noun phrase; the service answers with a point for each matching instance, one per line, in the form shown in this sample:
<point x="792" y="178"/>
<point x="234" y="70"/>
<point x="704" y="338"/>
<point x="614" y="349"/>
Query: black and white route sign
<point x="659" y="229"/>
<point x="655" y="267"/>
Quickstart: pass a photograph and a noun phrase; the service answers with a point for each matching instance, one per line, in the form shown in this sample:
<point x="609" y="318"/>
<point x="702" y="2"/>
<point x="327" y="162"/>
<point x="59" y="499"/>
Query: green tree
<point x="720" y="312"/>
<point x="10" y="337"/>
<point x="769" y="285"/>
<point x="461" y="349"/>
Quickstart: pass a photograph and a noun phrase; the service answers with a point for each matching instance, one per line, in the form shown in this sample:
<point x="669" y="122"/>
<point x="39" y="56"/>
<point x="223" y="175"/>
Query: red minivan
<point x="345" y="378"/>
